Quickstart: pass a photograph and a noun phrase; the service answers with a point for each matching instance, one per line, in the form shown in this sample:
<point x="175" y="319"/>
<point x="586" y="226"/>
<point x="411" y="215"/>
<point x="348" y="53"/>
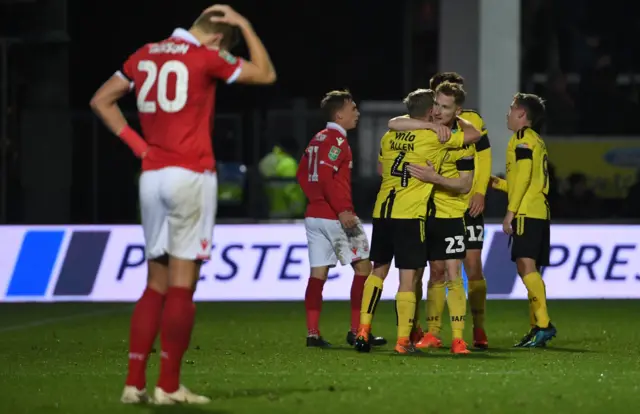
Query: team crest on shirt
<point x="227" y="57"/>
<point x="334" y="153"/>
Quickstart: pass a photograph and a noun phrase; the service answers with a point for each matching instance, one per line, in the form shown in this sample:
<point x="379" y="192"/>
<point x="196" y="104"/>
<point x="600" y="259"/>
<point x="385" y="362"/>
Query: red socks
<point x="357" y="288"/>
<point x="145" y="323"/>
<point x="177" y="323"/>
<point x="313" y="304"/>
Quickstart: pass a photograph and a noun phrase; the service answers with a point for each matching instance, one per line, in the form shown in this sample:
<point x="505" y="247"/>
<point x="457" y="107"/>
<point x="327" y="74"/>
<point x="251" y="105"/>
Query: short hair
<point x="419" y="102"/>
<point x="230" y="34"/>
<point x="453" y="89"/>
<point x="534" y="108"/>
<point x="333" y="101"/>
<point x="441" y="77"/>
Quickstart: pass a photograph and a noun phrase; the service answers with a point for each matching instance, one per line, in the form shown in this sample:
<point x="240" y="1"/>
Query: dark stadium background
<point x="56" y="153"/>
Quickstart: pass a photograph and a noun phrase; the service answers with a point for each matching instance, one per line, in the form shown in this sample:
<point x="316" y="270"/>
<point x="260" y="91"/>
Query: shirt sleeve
<point x="223" y="65"/>
<point x="524" y="157"/>
<point x="127" y="71"/>
<point x="333" y="153"/>
<point x="483" y="149"/>
<point x="456" y="140"/>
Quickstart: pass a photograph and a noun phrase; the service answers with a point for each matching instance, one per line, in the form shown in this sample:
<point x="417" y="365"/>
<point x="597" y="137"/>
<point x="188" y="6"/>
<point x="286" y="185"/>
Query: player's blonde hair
<point x="230" y="34"/>
<point x="419" y="102"/>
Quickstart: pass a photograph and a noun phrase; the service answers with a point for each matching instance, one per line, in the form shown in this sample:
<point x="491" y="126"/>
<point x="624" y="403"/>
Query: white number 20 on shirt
<point x="160" y="79"/>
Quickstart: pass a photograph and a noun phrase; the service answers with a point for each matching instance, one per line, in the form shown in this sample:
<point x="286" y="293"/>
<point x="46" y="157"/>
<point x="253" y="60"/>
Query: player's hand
<point x="443" y="132"/>
<point x="348" y="219"/>
<point x="506" y="224"/>
<point x="424" y="173"/>
<point x="231" y="16"/>
<point x="476" y="206"/>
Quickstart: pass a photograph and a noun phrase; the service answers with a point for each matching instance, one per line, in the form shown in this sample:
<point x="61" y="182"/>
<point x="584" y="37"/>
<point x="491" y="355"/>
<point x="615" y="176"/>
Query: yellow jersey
<point x="528" y="175"/>
<point x="482" y="155"/>
<point x="401" y="196"/>
<point x="449" y="204"/>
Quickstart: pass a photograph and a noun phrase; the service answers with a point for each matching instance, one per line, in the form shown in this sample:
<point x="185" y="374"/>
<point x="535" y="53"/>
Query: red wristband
<point x="133" y="140"/>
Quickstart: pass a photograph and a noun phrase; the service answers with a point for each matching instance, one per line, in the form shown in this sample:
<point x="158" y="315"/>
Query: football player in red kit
<point x="334" y="232"/>
<point x="175" y="81"/>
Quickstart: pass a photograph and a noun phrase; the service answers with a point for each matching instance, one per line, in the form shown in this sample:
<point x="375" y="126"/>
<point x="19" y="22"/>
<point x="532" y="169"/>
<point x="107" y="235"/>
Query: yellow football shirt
<point x="401" y="196"/>
<point x="449" y="204"/>
<point x="528" y="175"/>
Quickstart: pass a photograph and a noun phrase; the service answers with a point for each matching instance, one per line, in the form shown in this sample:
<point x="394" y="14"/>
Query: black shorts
<point x="402" y="239"/>
<point x="474" y="231"/>
<point x="445" y="238"/>
<point x="531" y="239"/>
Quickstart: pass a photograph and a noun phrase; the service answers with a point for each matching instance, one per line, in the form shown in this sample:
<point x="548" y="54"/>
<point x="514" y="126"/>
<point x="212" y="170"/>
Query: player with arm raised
<point x="175" y="81"/>
<point x="399" y="217"/>
<point x="528" y="218"/>
<point x="474" y="219"/>
<point x="445" y="225"/>
<point x="334" y="232"/>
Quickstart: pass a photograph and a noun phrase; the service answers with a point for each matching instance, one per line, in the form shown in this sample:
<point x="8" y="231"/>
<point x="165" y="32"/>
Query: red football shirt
<point x="324" y="173"/>
<point x="175" y="84"/>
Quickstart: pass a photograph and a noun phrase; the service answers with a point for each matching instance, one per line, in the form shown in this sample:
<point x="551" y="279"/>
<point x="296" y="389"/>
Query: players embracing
<point x="470" y="248"/>
<point x="399" y="217"/>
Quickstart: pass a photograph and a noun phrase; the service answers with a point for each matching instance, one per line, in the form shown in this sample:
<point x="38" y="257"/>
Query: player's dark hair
<point x="419" y="102"/>
<point x="230" y="34"/>
<point x="441" y="77"/>
<point x="333" y="101"/>
<point x="533" y="106"/>
<point x="453" y="89"/>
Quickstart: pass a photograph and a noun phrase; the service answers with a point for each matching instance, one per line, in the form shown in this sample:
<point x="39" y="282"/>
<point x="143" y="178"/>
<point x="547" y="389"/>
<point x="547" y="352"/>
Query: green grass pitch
<point x="250" y="357"/>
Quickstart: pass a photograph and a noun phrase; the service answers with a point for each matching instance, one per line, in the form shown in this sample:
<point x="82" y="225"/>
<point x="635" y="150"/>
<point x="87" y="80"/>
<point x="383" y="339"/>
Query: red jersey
<point x="324" y="173"/>
<point x="175" y="83"/>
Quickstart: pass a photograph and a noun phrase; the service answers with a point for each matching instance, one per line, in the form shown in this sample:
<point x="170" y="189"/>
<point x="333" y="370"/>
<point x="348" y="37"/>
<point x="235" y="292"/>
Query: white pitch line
<point x="48" y="321"/>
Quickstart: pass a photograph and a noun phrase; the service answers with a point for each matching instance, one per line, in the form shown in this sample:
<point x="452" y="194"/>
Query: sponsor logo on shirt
<point x="320" y="137"/>
<point x="227" y="57"/>
<point x="334" y="153"/>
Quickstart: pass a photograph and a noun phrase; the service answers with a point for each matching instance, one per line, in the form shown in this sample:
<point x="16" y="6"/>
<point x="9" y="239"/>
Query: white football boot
<point x="182" y="396"/>
<point x="132" y="395"/>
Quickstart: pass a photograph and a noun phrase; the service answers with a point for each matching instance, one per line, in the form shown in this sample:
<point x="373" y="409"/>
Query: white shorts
<point x="178" y="208"/>
<point x="329" y="243"/>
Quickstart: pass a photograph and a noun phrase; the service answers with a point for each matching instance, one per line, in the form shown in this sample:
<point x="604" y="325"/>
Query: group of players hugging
<point x="435" y="164"/>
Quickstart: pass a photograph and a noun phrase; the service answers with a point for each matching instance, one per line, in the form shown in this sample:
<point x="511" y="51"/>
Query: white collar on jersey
<point x="183" y="34"/>
<point x="333" y="125"/>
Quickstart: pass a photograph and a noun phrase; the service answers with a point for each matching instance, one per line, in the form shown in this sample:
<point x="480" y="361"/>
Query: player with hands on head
<point x="175" y="81"/>
<point x="334" y="231"/>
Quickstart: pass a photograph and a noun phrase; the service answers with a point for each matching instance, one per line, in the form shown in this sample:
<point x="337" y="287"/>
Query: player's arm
<point x="461" y="184"/>
<point x="499" y="184"/>
<point x="379" y="165"/>
<point x="483" y="170"/>
<point x="524" y="166"/>
<point x="105" y="104"/>
<point x="259" y="69"/>
<point x="330" y="157"/>
<point x="471" y="133"/>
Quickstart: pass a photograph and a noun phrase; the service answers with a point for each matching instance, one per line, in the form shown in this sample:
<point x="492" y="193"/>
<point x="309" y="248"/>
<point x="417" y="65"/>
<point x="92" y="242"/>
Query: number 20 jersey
<point x="400" y="196"/>
<point x="175" y="84"/>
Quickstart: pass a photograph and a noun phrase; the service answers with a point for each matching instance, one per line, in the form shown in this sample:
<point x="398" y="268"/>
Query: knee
<point x="362" y="268"/>
<point x="473" y="269"/>
<point x="436" y="276"/>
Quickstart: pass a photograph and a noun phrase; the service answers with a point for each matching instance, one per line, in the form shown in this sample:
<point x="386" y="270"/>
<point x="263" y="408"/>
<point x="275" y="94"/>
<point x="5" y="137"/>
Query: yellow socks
<point x="405" y="309"/>
<point x="477" y="301"/>
<point x="419" y="292"/>
<point x="532" y="312"/>
<point x="457" y="303"/>
<point x="370" y="298"/>
<point x="537" y="298"/>
<point x="436" y="298"/>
